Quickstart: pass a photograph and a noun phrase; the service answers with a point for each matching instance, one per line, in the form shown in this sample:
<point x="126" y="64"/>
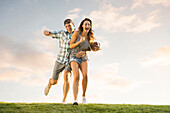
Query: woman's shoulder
<point x="77" y="32"/>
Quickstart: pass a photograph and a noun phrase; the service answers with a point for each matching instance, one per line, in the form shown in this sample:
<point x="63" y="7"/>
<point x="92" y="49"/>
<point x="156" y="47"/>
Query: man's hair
<point x="67" y="21"/>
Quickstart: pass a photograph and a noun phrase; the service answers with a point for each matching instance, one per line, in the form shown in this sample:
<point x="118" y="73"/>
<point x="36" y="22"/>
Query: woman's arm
<point x="74" y="37"/>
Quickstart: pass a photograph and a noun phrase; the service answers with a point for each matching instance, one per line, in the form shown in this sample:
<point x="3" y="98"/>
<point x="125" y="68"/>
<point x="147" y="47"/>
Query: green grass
<point x="89" y="108"/>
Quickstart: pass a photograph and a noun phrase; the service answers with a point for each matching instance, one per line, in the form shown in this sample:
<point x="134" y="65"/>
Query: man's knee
<point x="53" y="81"/>
<point x="66" y="73"/>
<point x="66" y="78"/>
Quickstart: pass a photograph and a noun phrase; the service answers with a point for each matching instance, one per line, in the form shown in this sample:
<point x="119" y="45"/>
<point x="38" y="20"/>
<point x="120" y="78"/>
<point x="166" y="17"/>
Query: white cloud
<point x="103" y="41"/>
<point x="12" y="75"/>
<point x="76" y="10"/>
<point x="108" y="78"/>
<point x="160" y="58"/>
<point x="145" y="25"/>
<point x="73" y="14"/>
<point x="142" y="3"/>
<point x="43" y="42"/>
<point x="27" y="61"/>
<point x="137" y="3"/>
<point x="112" y="68"/>
<point x="112" y="19"/>
<point x="159" y="2"/>
<point x="67" y="1"/>
<point x="103" y="44"/>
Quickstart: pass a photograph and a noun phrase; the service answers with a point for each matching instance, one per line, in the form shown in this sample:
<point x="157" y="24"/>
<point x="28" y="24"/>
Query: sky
<point x="133" y="66"/>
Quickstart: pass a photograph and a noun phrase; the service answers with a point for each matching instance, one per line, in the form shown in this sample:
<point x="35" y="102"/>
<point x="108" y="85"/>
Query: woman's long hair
<point x="90" y="33"/>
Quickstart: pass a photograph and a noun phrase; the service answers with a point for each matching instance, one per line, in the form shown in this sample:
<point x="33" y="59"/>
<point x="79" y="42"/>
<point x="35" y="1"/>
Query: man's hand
<point x="46" y="32"/>
<point x="80" y="54"/>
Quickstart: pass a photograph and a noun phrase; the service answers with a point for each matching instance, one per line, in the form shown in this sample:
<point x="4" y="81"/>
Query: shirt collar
<point x="68" y="33"/>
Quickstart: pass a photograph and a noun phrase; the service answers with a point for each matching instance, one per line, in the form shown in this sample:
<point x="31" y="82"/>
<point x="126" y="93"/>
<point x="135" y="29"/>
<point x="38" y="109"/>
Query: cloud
<point x="28" y="61"/>
<point x="73" y="14"/>
<point x="103" y="44"/>
<point x="137" y="3"/>
<point x="22" y="54"/>
<point x="143" y="3"/>
<point x="115" y="21"/>
<point x="10" y="75"/>
<point x="112" y="68"/>
<point x="165" y="3"/>
<point x="145" y="25"/>
<point x="108" y="78"/>
<point x="76" y="10"/>
<point x="67" y="1"/>
<point x="160" y="58"/>
<point x="103" y="41"/>
<point x="109" y="70"/>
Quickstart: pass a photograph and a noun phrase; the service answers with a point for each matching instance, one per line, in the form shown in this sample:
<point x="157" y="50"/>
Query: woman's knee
<point x="85" y="76"/>
<point x="76" y="78"/>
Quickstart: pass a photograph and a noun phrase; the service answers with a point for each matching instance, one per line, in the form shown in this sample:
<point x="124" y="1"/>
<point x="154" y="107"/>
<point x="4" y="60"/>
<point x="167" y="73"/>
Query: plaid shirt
<point x="64" y="44"/>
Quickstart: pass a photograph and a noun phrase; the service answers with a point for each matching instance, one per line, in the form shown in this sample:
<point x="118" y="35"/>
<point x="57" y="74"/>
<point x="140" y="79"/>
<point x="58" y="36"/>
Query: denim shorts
<point x="58" y="68"/>
<point x="78" y="60"/>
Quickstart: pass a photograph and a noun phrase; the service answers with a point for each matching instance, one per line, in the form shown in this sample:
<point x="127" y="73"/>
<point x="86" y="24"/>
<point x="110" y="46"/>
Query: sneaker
<point x="47" y="89"/>
<point x="75" y="103"/>
<point x="84" y="101"/>
<point x="64" y="102"/>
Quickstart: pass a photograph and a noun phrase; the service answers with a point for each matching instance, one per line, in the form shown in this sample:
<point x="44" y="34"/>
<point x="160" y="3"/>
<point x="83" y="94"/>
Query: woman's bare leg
<point x="66" y="85"/>
<point x="75" y="70"/>
<point x="84" y="70"/>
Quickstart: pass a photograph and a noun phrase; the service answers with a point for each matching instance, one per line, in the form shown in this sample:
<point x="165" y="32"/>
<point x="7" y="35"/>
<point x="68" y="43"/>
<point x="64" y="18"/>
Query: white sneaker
<point x="84" y="101"/>
<point x="64" y="102"/>
<point x="47" y="89"/>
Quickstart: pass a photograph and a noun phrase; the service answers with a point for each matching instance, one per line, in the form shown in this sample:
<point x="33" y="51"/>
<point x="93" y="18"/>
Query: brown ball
<point x="95" y="46"/>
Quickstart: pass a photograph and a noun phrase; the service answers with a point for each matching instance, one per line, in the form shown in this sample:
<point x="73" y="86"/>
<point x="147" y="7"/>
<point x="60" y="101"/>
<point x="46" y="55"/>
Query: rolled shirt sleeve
<point x="55" y="34"/>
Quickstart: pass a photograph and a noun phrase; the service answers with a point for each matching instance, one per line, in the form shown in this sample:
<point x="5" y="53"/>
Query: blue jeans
<point x="78" y="60"/>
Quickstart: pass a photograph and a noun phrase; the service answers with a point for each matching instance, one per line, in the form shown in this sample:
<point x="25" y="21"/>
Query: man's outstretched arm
<point x="53" y="34"/>
<point x="47" y="33"/>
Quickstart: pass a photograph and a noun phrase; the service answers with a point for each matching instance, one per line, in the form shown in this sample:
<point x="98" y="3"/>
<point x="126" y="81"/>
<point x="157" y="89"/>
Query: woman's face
<point x="86" y="26"/>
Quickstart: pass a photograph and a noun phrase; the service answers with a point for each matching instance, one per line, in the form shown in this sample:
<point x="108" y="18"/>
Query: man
<point x="62" y="61"/>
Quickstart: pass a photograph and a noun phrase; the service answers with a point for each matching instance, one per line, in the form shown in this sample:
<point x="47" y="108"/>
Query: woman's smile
<point x="87" y="29"/>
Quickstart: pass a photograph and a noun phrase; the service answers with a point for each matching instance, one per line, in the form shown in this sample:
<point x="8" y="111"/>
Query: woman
<point x="80" y="41"/>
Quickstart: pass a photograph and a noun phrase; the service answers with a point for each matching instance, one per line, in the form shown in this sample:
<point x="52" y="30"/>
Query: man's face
<point x="69" y="27"/>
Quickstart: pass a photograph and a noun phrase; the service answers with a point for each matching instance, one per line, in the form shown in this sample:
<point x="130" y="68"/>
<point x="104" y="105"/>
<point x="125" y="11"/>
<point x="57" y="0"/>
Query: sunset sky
<point x="133" y="66"/>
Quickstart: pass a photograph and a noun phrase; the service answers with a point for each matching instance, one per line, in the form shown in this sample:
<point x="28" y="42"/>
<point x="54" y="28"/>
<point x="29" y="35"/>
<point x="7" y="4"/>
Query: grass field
<point x="89" y="108"/>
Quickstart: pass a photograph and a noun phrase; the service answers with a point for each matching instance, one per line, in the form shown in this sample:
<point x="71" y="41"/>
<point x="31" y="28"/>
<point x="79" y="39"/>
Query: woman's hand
<point x="80" y="54"/>
<point x="82" y="39"/>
